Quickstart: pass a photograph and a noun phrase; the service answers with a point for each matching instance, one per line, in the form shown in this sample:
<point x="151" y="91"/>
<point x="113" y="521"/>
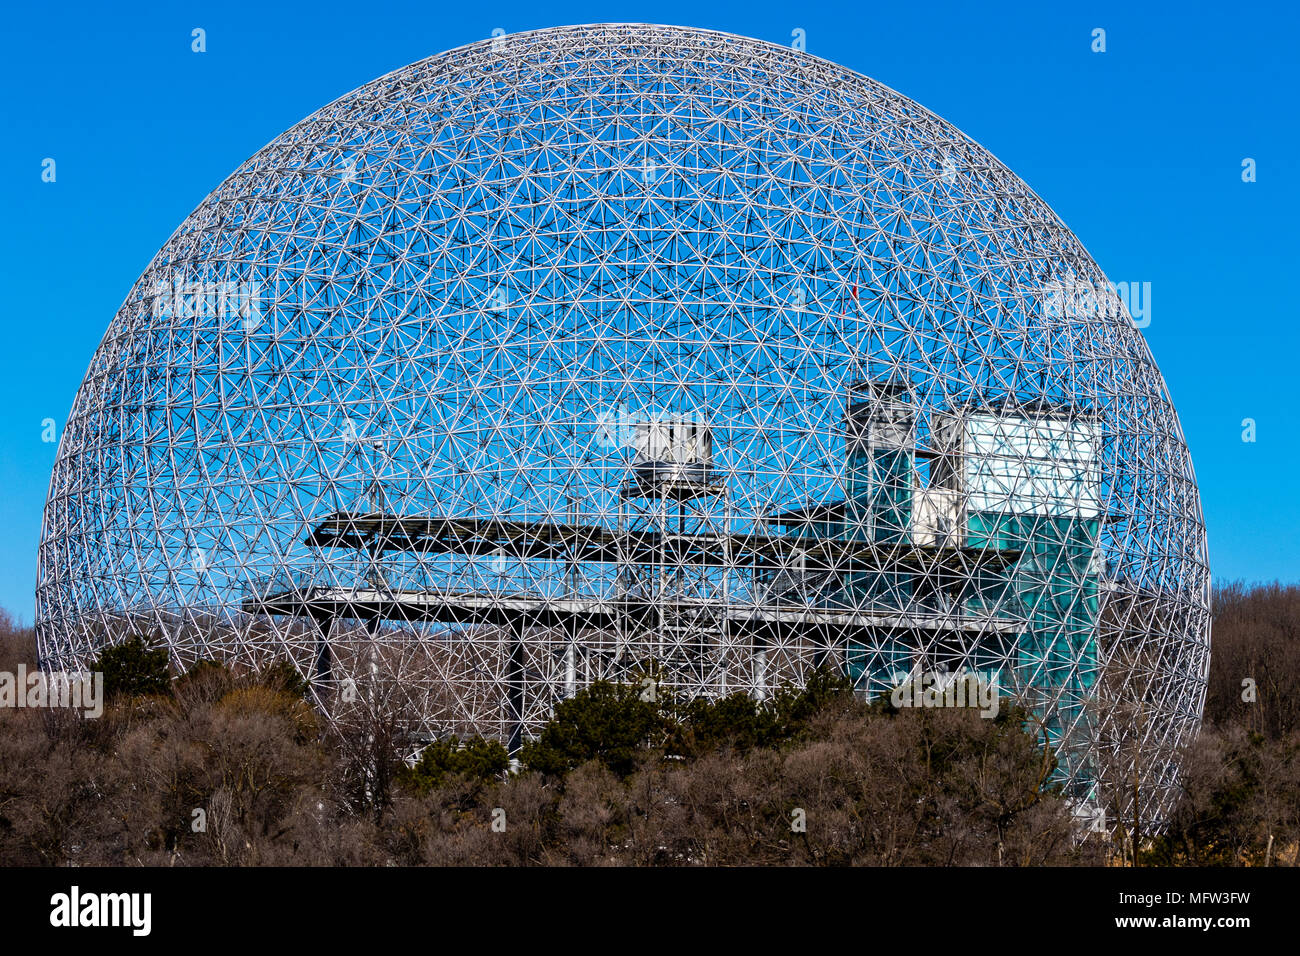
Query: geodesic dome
<point x="624" y="350"/>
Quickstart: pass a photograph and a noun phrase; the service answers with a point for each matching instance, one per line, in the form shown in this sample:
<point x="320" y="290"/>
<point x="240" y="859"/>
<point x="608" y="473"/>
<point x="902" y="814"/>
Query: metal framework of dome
<point x="620" y="351"/>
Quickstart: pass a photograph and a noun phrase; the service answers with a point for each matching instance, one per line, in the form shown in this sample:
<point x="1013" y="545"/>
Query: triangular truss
<point x="641" y="353"/>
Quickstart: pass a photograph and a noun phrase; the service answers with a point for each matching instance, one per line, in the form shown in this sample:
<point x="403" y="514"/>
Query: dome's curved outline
<point x="74" y="614"/>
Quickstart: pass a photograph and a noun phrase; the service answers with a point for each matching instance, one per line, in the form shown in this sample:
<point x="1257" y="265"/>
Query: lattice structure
<point x="618" y="350"/>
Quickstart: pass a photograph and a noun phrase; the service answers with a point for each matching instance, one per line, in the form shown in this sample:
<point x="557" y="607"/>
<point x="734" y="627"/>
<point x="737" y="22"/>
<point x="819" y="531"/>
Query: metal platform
<point x="545" y="540"/>
<point x="519" y="611"/>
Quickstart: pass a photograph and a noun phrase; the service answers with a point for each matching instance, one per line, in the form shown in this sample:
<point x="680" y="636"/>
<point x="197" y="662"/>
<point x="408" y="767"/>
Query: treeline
<point x="1241" y="777"/>
<point x="226" y="766"/>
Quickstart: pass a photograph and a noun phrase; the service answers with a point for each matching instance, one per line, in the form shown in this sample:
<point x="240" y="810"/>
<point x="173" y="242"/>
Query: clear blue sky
<point x="1138" y="149"/>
